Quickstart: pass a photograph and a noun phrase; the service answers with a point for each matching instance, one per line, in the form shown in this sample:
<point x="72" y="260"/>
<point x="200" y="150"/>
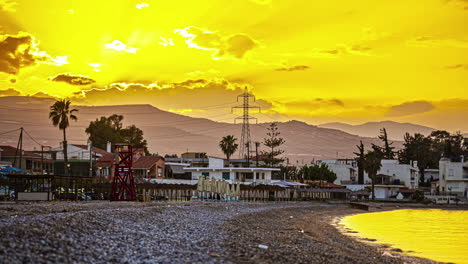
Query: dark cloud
<point x="314" y="104"/>
<point x="15" y="53"/>
<point x="72" y="79"/>
<point x="294" y="68"/>
<point x="458" y="66"/>
<point x="9" y="92"/>
<point x="409" y="108"/>
<point x="190" y="94"/>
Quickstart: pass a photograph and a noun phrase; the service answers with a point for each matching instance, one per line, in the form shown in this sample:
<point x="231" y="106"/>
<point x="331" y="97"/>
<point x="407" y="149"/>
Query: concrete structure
<point x="217" y="170"/>
<point x="381" y="191"/>
<point x="395" y="173"/>
<point x="346" y="170"/>
<point x="453" y="176"/>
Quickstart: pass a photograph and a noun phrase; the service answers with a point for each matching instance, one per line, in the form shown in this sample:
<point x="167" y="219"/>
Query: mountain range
<point x="395" y="130"/>
<point x="170" y="133"/>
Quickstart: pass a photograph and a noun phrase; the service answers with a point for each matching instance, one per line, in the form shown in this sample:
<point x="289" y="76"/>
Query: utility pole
<point x="245" y="136"/>
<point x="257" y="144"/>
<point x="20" y="148"/>
<point x="248" y="153"/>
<point x="90" y="159"/>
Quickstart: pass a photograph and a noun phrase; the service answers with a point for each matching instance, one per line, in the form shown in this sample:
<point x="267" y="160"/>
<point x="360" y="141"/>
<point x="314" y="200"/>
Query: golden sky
<point x="314" y="61"/>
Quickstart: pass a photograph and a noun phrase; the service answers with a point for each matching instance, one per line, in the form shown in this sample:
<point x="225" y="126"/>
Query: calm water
<point x="440" y="235"/>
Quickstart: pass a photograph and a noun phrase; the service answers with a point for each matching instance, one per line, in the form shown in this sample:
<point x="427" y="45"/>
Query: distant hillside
<point x="395" y="130"/>
<point x="169" y="133"/>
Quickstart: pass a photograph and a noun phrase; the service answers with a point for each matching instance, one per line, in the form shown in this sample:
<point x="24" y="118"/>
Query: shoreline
<point x="167" y="232"/>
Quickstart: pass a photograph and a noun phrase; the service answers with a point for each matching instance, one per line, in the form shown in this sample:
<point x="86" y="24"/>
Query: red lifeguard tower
<point x="123" y="185"/>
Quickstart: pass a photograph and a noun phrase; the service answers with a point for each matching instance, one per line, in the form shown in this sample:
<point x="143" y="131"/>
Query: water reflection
<point x="440" y="235"/>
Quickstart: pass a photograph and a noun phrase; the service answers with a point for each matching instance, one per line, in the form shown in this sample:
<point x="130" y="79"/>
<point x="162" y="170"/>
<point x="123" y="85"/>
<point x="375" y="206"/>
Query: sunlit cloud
<point x="233" y="46"/>
<point x="96" y="66"/>
<point x="142" y="5"/>
<point x="166" y="42"/>
<point x="8" y="5"/>
<point x="120" y="46"/>
<point x="71" y="11"/>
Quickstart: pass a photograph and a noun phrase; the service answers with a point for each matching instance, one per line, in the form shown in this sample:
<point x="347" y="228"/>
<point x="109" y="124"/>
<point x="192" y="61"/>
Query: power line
<point x="3" y="133"/>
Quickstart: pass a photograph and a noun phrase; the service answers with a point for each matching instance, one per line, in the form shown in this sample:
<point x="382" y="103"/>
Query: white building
<point x="217" y="170"/>
<point x="453" y="176"/>
<point x="398" y="174"/>
<point x="346" y="170"/>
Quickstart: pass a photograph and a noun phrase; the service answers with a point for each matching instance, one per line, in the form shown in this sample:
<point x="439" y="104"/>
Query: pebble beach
<point x="183" y="232"/>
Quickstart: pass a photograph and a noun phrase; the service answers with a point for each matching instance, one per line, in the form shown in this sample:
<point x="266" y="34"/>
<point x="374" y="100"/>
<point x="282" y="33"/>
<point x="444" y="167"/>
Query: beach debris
<point x="215" y="255"/>
<point x="302" y="231"/>
<point x="263" y="246"/>
<point x="387" y="254"/>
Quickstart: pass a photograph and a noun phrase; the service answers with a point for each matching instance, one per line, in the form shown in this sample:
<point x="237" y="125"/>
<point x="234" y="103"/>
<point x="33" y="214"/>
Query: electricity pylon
<point x="245" y="117"/>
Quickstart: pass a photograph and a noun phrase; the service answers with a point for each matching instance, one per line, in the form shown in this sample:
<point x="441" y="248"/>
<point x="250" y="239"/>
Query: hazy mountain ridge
<point x="169" y="133"/>
<point x="395" y="130"/>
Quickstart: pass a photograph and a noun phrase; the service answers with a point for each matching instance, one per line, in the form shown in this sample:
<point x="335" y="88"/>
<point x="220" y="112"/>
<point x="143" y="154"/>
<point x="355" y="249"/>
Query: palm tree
<point x="61" y="114"/>
<point x="372" y="164"/>
<point x="228" y="146"/>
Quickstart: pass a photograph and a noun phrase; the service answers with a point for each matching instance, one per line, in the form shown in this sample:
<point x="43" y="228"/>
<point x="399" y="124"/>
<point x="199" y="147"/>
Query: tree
<point x="372" y="164"/>
<point x="386" y="152"/>
<point x="61" y="114"/>
<point x="360" y="162"/>
<point x="228" y="146"/>
<point x="273" y="142"/>
<point x="418" y="148"/>
<point x="318" y="173"/>
<point x="110" y="129"/>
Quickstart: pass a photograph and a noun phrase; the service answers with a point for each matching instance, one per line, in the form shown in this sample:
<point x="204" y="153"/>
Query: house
<point x="345" y="170"/>
<point x="217" y="170"/>
<point x="392" y="172"/>
<point x="29" y="161"/>
<point x="80" y="159"/>
<point x="453" y="176"/>
<point x="149" y="167"/>
<point x="382" y="191"/>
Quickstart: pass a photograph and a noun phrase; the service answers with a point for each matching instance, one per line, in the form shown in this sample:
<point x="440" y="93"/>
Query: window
<point x="450" y="174"/>
<point x="226" y="175"/>
<point x="206" y="174"/>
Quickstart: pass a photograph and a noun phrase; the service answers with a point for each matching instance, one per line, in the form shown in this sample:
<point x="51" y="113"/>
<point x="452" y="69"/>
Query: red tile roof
<point x="146" y="162"/>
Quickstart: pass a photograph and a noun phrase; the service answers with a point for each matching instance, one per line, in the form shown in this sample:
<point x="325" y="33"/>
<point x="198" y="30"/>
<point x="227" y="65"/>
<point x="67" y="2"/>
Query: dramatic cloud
<point x="314" y="103"/>
<point x="21" y="51"/>
<point x="120" y="46"/>
<point x="73" y="79"/>
<point x="172" y="95"/>
<point x="410" y="108"/>
<point x="8" y="5"/>
<point x="294" y="68"/>
<point x="234" y="46"/>
<point x="458" y="66"/>
<point x="9" y="92"/>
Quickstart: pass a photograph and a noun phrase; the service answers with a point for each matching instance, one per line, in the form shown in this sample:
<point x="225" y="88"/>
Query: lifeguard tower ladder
<point x="123" y="184"/>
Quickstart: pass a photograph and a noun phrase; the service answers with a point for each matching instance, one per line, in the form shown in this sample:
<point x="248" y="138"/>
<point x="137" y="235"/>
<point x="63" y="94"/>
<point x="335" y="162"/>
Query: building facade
<point x="453" y="176"/>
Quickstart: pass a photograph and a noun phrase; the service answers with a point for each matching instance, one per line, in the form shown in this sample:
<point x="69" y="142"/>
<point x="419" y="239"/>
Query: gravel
<point x="180" y="232"/>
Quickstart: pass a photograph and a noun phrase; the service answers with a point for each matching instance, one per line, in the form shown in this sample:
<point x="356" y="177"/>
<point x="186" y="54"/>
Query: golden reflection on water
<point x="440" y="235"/>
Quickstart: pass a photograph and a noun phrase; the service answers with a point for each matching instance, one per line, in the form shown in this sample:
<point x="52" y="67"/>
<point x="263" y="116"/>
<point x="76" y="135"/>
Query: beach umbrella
<point x="238" y="189"/>
<point x="10" y="169"/>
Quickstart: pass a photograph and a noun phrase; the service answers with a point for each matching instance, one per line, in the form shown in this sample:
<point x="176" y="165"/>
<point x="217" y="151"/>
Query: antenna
<point x="245" y="136"/>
